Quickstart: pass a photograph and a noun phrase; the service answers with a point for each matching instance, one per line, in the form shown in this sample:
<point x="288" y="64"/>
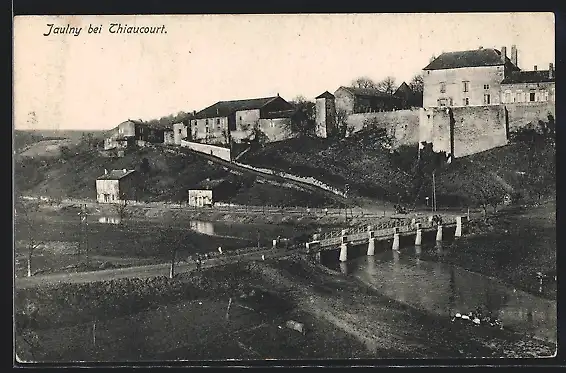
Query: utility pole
<point x="83" y="225"/>
<point x="433" y="191"/>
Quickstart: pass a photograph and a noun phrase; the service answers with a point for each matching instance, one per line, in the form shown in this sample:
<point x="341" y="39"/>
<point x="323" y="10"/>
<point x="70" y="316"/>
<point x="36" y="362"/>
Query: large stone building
<point x="467" y="78"/>
<point x="474" y="99"/>
<point x="365" y="100"/>
<point x="217" y="123"/>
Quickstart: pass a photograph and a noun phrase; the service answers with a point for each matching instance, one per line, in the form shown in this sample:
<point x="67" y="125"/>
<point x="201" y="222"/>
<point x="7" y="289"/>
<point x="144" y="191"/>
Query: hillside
<point x="372" y="171"/>
<point x="171" y="174"/>
<point x="359" y="161"/>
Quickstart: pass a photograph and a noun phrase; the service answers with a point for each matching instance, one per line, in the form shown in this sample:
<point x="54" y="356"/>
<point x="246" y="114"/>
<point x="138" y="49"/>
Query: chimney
<point x="480" y="47"/>
<point x="503" y="54"/>
<point x="550" y="70"/>
<point x="194" y="112"/>
<point x="514" y="55"/>
<point x="535" y="68"/>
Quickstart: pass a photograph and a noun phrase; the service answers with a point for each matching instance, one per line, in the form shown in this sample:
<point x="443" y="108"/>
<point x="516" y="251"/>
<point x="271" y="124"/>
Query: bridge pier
<point x="439" y="233"/>
<point x="395" y="239"/>
<point x="344" y="246"/>
<point x="458" y="232"/>
<point x="371" y="241"/>
<point x="419" y="235"/>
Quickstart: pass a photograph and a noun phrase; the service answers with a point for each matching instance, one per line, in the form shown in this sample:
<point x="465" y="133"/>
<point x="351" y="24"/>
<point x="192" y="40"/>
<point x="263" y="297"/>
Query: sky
<point x="95" y="81"/>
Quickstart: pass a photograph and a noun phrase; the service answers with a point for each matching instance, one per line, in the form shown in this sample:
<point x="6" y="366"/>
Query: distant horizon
<point x="93" y="82"/>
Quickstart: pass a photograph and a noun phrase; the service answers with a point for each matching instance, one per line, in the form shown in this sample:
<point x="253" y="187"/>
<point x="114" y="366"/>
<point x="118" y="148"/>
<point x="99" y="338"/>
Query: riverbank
<point x="512" y="245"/>
<point x="342" y="319"/>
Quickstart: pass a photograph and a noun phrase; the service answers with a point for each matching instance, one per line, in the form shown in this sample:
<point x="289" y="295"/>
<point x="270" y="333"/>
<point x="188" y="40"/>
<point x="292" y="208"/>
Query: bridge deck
<point x="384" y="231"/>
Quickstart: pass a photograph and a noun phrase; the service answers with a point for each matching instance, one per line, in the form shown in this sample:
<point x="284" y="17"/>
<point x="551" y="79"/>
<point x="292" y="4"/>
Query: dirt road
<point x="142" y="271"/>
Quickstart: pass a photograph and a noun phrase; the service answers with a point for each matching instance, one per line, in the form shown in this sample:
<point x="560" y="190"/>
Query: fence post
<point x="439" y="233"/>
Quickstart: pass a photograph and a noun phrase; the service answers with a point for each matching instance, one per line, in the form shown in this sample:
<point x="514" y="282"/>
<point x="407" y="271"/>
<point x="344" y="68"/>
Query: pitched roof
<point x="366" y="92"/>
<point x="279" y="114"/>
<point x="115" y="174"/>
<point x="326" y="94"/>
<point x="404" y="87"/>
<point x="538" y="76"/>
<point x="470" y="58"/>
<point x="225" y="108"/>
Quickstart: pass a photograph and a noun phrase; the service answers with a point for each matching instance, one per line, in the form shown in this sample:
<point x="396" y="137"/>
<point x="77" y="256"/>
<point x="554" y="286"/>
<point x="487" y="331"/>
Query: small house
<point x="200" y="197"/>
<point x="116" y="185"/>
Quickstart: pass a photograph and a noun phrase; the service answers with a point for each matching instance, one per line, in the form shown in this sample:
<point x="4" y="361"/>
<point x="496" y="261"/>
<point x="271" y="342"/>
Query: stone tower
<point x="325" y="115"/>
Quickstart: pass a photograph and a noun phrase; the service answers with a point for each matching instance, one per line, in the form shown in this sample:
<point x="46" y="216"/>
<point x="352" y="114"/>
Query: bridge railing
<point x="381" y="229"/>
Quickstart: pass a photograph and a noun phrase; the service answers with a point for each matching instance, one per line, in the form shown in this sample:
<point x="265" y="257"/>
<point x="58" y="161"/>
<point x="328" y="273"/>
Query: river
<point x="411" y="276"/>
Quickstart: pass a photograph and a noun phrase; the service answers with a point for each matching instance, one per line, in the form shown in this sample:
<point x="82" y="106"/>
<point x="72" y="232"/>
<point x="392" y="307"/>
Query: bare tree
<point x="387" y="85"/>
<point x="24" y="213"/>
<point x="417" y="84"/>
<point x="363" y="82"/>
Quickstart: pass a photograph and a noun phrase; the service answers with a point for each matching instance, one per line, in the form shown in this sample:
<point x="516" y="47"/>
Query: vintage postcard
<point x="240" y="188"/>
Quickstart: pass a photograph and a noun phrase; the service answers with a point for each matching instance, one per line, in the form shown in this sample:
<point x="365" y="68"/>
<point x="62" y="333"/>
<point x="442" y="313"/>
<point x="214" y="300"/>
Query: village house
<point x="467" y="78"/>
<point x="133" y="132"/>
<point x="226" y="120"/>
<point x="365" y="100"/>
<point x="116" y="186"/>
<point x="529" y="86"/>
<point x="200" y="198"/>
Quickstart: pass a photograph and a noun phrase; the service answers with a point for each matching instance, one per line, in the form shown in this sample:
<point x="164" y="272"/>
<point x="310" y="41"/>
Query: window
<point x="206" y="122"/>
<point x="507" y="97"/>
<point x="206" y="129"/>
<point x="544" y="96"/>
<point x="465" y="84"/>
<point x="442" y="87"/>
<point x="441" y="102"/>
<point x="486" y="86"/>
<point x="532" y="96"/>
<point x="466" y="101"/>
<point x="487" y="99"/>
<point x="217" y="121"/>
<point x="520" y="96"/>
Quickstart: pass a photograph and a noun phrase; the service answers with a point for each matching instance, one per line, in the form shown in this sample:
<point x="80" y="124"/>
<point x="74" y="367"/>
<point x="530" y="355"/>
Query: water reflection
<point x="203" y="227"/>
<point x="109" y="220"/>
<point x="443" y="289"/>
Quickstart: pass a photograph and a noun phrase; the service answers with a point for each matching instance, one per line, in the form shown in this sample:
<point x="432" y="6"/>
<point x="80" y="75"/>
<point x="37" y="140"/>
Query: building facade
<point x="529" y="86"/>
<point x="365" y="100"/>
<point x="325" y="107"/>
<point x="116" y="186"/>
<point x="200" y="197"/>
<point x="467" y="78"/>
<point x="180" y="132"/>
<point x="226" y="120"/>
